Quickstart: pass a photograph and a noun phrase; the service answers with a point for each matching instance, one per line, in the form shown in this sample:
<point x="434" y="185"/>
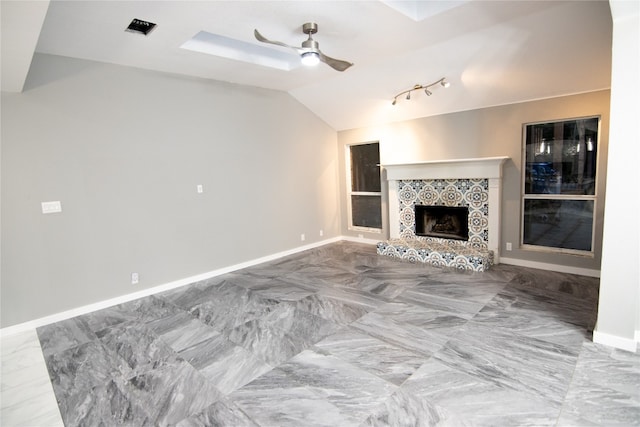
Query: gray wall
<point x="488" y="132"/>
<point x="123" y="150"/>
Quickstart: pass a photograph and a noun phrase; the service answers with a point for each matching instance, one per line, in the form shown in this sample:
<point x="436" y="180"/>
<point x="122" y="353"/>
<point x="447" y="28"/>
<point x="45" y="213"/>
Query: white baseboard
<point x="32" y="324"/>
<point x="57" y="317"/>
<point x="616" y="341"/>
<point x="361" y="240"/>
<point x="552" y="267"/>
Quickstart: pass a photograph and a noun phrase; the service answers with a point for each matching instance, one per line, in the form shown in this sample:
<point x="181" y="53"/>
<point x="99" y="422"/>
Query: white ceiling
<point x="492" y="52"/>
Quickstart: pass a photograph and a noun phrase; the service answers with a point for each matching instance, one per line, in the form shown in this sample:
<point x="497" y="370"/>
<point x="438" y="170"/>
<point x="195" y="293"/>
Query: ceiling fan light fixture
<point x="310" y="53"/>
<point x="310" y="59"/>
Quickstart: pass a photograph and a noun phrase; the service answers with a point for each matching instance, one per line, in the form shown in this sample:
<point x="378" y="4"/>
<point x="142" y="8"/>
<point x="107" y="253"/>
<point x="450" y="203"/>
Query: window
<point x="560" y="185"/>
<point x="365" y="197"/>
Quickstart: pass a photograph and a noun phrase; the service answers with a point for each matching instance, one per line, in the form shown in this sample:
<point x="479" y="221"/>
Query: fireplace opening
<point x="447" y="222"/>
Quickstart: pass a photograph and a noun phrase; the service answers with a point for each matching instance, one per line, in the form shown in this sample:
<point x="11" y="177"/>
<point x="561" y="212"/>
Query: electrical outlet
<point x="321" y="233"/>
<point x="302" y="237"/>
<point x="135" y="278"/>
<point x="509" y="246"/>
<point x="51" y="207"/>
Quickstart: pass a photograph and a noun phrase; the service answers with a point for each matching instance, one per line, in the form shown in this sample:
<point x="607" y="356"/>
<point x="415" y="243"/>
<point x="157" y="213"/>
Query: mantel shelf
<point x="481" y="167"/>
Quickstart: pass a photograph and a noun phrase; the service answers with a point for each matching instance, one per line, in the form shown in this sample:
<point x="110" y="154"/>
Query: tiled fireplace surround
<point x="473" y="183"/>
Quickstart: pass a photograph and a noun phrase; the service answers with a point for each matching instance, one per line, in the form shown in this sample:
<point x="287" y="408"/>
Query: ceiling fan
<point x="310" y="50"/>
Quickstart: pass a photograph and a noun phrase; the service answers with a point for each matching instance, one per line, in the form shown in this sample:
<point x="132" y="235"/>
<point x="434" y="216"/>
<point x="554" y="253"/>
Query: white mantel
<point x="489" y="168"/>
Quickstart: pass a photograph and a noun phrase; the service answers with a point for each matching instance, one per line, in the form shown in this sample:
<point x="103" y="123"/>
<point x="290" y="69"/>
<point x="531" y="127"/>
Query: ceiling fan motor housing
<point x="310" y="28"/>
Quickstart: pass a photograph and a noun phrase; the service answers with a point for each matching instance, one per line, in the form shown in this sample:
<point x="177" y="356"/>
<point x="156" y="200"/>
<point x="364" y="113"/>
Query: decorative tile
<point x="472" y="193"/>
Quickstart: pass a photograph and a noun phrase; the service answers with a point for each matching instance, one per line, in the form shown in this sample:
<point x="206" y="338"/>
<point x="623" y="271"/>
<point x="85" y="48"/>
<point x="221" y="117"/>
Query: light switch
<point x="199" y="188"/>
<point x="51" y="207"/>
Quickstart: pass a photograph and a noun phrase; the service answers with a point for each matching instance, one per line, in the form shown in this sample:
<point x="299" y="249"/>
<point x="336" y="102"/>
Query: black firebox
<point x="447" y="222"/>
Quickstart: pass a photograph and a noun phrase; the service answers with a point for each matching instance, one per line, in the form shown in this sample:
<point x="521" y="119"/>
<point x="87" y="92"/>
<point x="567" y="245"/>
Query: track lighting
<point x="442" y="82"/>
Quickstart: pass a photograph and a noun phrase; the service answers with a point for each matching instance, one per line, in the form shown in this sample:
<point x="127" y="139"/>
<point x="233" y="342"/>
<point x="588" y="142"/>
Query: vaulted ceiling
<point x="492" y="52"/>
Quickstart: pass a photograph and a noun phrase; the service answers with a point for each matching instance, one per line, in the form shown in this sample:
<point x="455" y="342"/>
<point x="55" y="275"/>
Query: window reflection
<point x="560" y="184"/>
<point x="561" y="157"/>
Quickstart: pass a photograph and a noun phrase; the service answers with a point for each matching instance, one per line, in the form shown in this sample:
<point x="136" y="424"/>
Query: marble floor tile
<point x="332" y="336"/>
<point x="404" y="409"/>
<point x="138" y="347"/>
<point x="462" y="398"/>
<point x="173" y="392"/>
<point x="605" y="389"/>
<point x="220" y="413"/>
<point x="404" y="335"/>
<point x="109" y="403"/>
<point x="335" y="310"/>
<point x="227" y="306"/>
<point x="26" y="394"/>
<point x="266" y="342"/>
<point x="312" y="389"/>
<point x="389" y="362"/>
<point x="428" y="319"/>
<point x="470" y="287"/>
<point x="181" y="331"/>
<point x="583" y="287"/>
<point x="63" y="335"/>
<point x="76" y="371"/>
<point x="457" y="307"/>
<point x="225" y="364"/>
<point x="281" y="289"/>
<point x="511" y="361"/>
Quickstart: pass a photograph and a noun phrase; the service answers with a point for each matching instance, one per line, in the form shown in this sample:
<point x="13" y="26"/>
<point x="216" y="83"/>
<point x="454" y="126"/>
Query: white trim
<point x="552" y="267"/>
<point x="615" y="341"/>
<point x="360" y="240"/>
<point x="482" y="167"/>
<point x="36" y="323"/>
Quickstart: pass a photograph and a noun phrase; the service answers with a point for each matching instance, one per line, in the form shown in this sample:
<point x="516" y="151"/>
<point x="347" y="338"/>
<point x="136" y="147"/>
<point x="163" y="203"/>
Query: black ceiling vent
<point x="141" y="27"/>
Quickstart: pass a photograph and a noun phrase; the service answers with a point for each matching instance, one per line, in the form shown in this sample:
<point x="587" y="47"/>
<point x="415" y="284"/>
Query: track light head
<point x="427" y="92"/>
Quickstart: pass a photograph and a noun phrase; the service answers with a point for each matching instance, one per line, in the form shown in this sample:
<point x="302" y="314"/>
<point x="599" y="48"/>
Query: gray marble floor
<point x="338" y="336"/>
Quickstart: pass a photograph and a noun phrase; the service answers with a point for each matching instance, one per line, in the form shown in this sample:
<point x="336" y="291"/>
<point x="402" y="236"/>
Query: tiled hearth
<point x="472" y="183"/>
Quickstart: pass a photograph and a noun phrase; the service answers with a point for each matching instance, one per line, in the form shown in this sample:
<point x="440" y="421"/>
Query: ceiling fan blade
<point x="336" y="64"/>
<point x="263" y="39"/>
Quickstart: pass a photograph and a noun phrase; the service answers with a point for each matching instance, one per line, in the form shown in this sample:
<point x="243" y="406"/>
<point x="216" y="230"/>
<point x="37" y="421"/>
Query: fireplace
<point x="447" y="222"/>
<point x="473" y="184"/>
